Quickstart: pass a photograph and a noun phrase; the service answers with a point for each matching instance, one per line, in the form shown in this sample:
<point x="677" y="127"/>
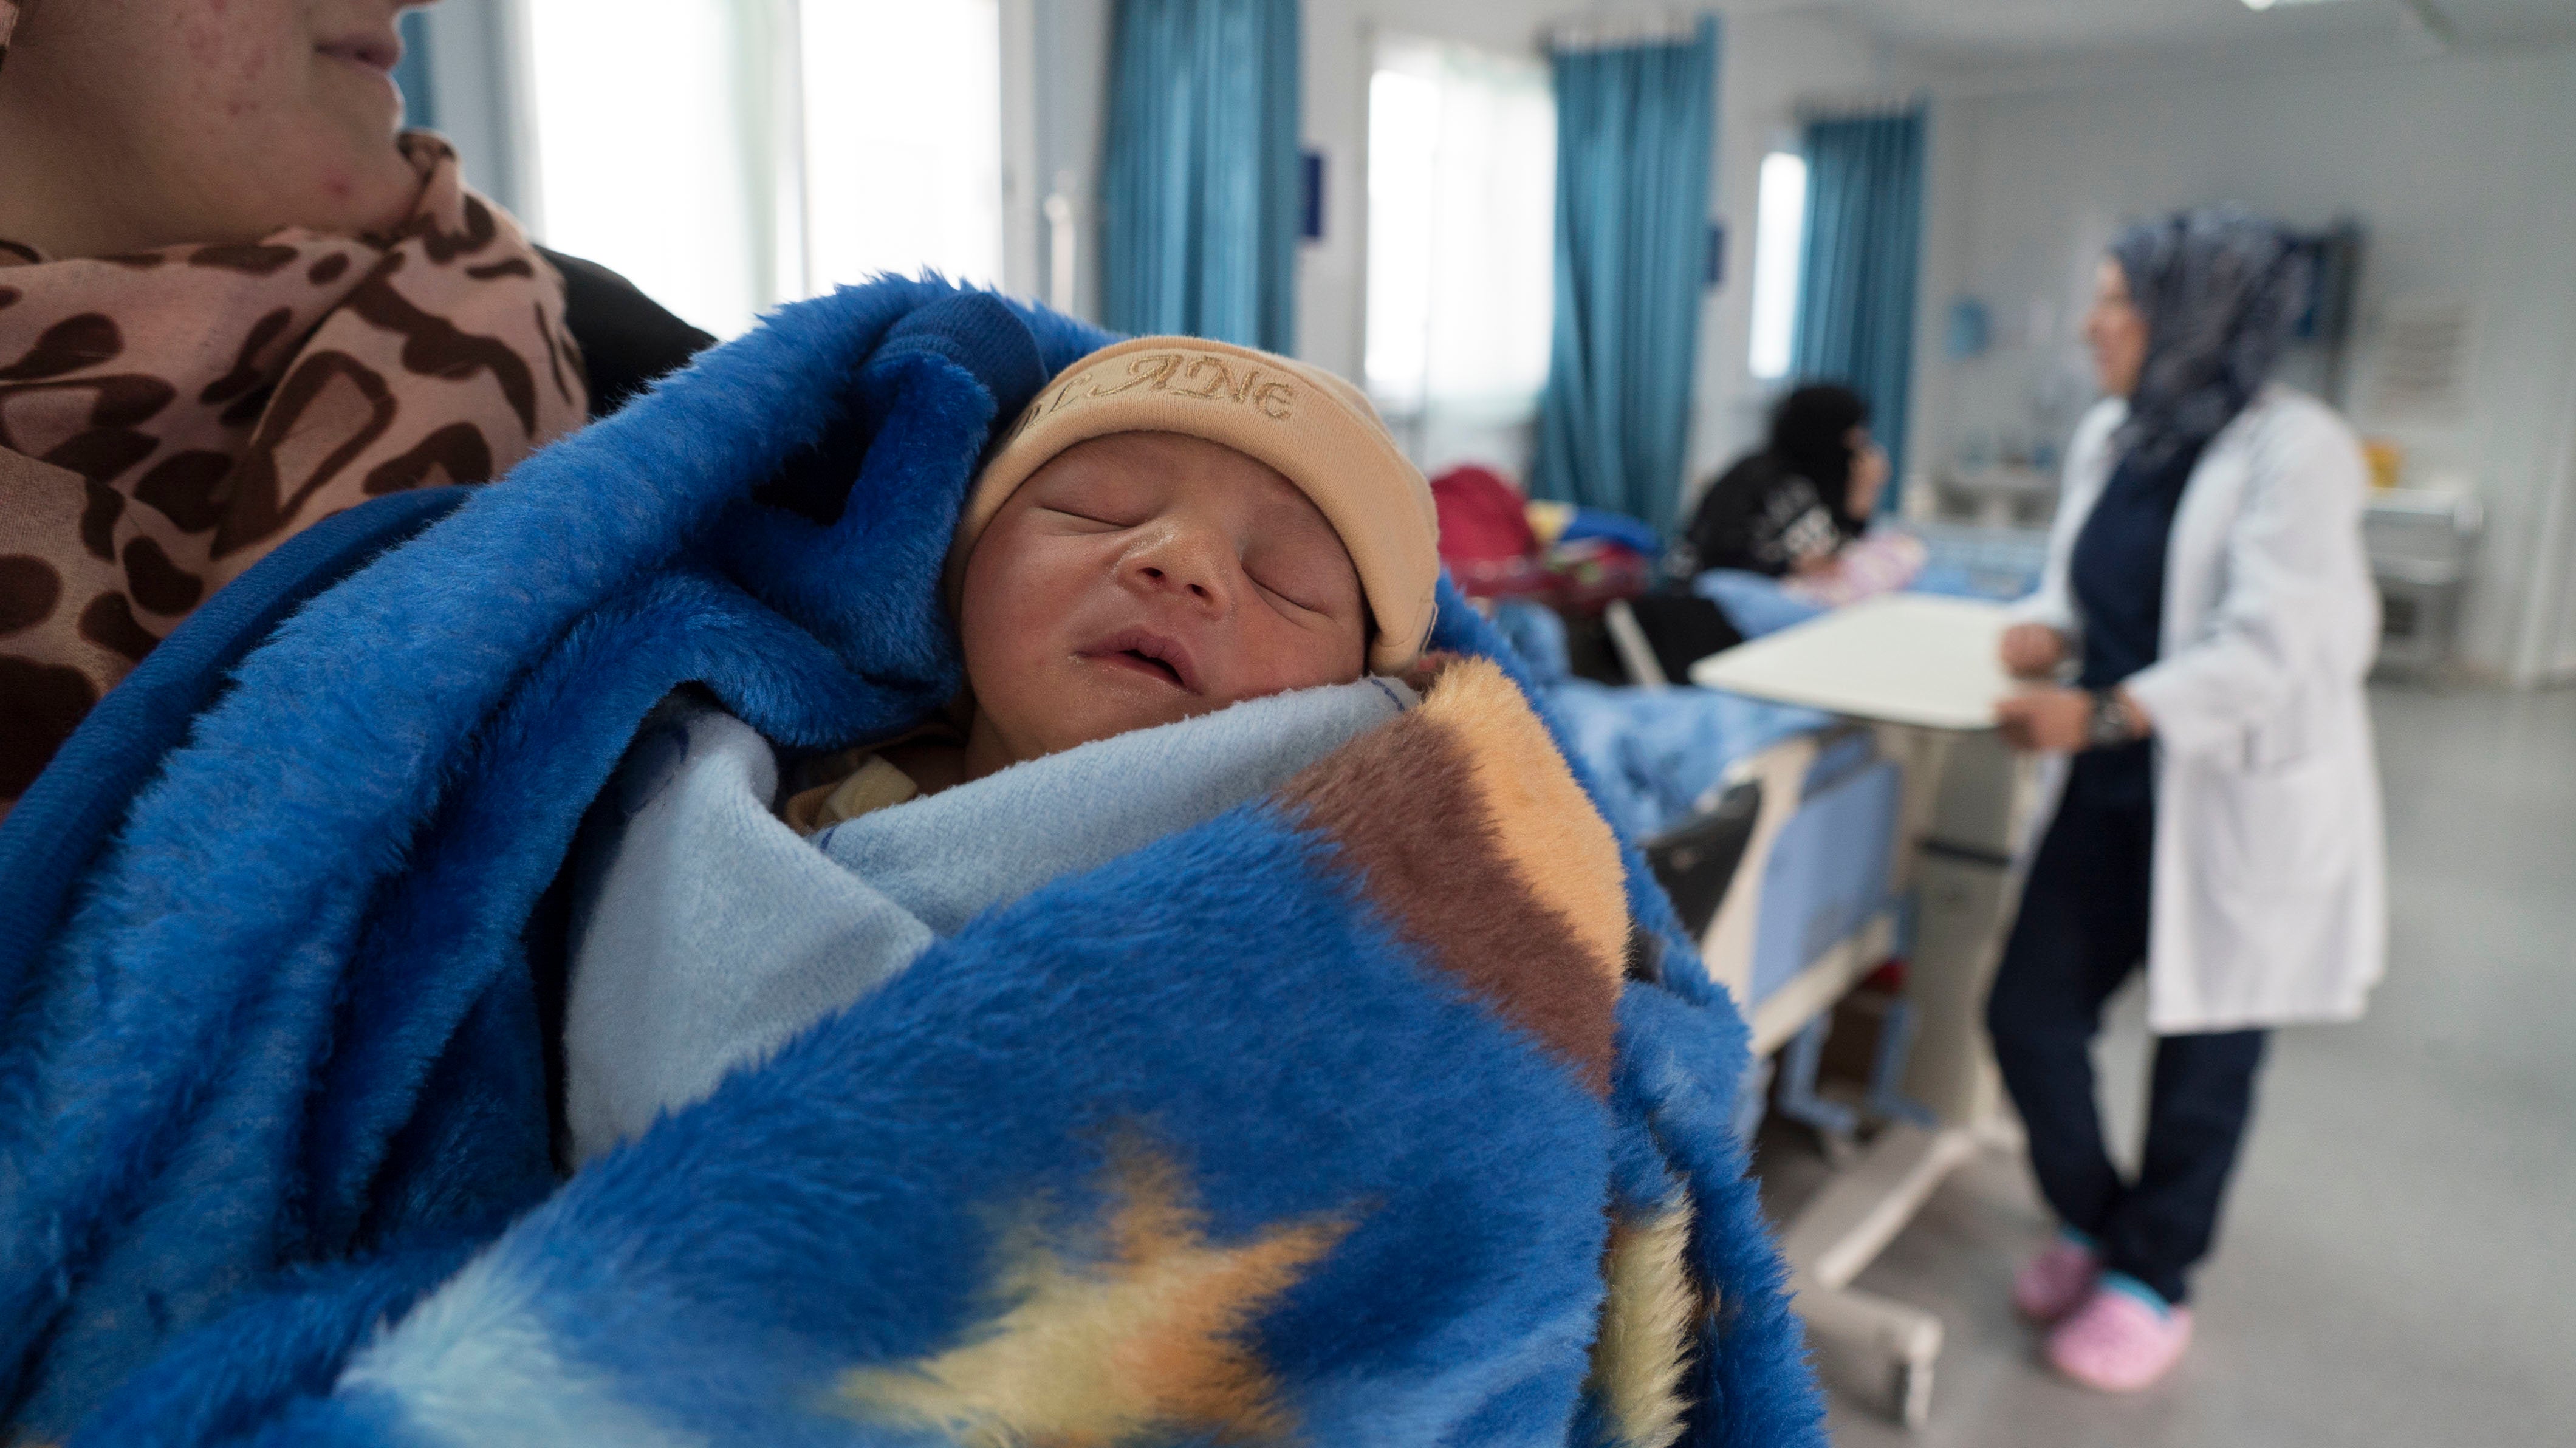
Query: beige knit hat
<point x="1317" y="430"/>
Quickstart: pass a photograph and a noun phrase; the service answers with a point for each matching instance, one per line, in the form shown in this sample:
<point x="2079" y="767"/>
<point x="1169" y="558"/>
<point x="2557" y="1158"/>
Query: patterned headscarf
<point x="2219" y="288"/>
<point x="168" y="417"/>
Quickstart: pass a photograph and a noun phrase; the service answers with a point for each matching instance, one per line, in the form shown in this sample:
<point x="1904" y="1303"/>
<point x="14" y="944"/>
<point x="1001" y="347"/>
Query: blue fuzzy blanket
<point x="1385" y="1108"/>
<point x="706" y="933"/>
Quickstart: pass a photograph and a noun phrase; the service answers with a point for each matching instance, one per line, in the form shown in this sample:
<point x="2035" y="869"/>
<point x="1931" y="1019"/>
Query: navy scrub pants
<point x="2082" y="930"/>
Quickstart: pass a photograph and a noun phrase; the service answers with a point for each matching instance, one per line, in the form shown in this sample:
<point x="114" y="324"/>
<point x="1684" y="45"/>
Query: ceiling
<point x="1988" y="31"/>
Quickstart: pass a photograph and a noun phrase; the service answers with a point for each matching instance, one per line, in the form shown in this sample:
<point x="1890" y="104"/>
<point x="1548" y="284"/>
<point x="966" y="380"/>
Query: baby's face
<point x="1146" y="577"/>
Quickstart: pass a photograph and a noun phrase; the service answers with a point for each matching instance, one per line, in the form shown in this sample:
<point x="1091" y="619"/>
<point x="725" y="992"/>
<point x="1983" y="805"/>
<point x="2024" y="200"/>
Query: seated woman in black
<point x="1791" y="507"/>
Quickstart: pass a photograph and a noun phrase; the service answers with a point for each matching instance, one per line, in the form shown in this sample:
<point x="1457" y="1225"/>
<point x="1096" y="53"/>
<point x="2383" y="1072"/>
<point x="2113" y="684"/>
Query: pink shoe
<point x="2055" y="1282"/>
<point x="2119" y="1341"/>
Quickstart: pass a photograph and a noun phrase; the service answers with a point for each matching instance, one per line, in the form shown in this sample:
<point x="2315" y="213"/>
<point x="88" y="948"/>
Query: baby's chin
<point x="1092" y="720"/>
<point x="1088" y="715"/>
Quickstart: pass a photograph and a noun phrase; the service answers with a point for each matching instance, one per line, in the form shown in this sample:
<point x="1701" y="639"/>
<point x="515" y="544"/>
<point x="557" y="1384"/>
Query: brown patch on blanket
<point x="1557" y="840"/>
<point x="1146" y="1343"/>
<point x="1464" y="823"/>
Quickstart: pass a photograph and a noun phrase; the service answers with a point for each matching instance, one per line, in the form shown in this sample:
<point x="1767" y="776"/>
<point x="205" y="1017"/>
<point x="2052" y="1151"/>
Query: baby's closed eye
<point x="1094" y="496"/>
<point x="1098" y="517"/>
<point x="1300" y="594"/>
<point x="1306" y="578"/>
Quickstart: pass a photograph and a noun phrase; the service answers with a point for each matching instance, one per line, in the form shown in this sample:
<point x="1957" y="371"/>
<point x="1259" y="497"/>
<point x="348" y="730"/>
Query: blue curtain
<point x="1198" y="227"/>
<point x="1636" y="127"/>
<point x="1856" y="279"/>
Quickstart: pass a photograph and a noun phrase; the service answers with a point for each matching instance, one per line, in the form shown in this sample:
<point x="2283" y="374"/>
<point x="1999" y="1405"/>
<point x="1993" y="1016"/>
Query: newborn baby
<point x="1173" y="527"/>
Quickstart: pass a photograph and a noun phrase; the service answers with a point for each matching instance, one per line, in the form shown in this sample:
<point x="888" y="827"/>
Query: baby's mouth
<point x="1150" y="655"/>
<point x="1151" y="664"/>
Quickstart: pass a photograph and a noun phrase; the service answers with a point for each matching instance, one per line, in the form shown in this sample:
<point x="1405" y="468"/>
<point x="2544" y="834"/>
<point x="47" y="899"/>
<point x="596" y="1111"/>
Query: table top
<point x="1902" y="658"/>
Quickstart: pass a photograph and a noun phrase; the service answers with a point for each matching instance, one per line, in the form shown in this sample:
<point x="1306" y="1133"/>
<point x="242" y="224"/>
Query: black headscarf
<point x="2219" y="288"/>
<point x="1810" y="436"/>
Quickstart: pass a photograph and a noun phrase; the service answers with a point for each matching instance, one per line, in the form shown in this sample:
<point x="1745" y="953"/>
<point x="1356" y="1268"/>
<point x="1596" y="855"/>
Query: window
<point x="903" y="139"/>
<point x="1779" y="243"/>
<point x="657" y="189"/>
<point x="728" y="156"/>
<point x="1461" y="231"/>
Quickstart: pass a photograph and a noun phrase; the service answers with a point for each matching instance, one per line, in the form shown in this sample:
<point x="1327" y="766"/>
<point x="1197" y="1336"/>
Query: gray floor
<point x="2398" y="1262"/>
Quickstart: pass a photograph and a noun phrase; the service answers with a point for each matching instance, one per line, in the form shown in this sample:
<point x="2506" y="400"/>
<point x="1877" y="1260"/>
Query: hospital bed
<point x="1780" y="831"/>
<point x="1775" y="828"/>
<point x="1824" y="847"/>
<point x="1792" y="878"/>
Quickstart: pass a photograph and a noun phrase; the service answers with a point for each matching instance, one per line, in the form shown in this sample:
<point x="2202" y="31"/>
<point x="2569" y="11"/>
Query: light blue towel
<point x="706" y="933"/>
<point x="1756" y="605"/>
<point x="1656" y="754"/>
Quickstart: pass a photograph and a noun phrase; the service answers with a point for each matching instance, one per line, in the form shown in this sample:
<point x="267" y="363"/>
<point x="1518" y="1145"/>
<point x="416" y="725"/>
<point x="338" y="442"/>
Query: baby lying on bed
<point x="1173" y="528"/>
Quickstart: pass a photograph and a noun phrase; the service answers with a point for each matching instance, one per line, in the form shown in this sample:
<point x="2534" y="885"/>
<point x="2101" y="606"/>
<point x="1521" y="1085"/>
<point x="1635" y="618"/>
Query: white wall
<point x="2552" y="625"/>
<point x="2463" y="171"/>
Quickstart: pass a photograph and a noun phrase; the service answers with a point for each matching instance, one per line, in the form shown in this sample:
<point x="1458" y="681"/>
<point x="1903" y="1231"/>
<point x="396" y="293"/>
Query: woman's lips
<point x="380" y="53"/>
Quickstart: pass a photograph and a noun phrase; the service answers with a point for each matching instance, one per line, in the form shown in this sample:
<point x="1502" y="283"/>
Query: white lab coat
<point x="2269" y="892"/>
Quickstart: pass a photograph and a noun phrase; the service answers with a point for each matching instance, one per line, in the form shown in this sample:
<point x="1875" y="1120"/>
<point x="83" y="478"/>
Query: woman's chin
<point x="368" y="187"/>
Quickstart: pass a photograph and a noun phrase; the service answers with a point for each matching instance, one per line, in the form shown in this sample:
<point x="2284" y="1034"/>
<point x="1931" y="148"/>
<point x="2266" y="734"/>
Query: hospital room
<point x="1403" y="722"/>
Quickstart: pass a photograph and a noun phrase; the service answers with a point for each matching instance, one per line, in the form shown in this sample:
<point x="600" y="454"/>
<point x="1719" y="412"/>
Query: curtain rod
<point x="1609" y="32"/>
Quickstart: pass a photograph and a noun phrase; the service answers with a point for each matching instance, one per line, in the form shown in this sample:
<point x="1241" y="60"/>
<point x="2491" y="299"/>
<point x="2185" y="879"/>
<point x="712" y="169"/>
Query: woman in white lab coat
<point x="2218" y="810"/>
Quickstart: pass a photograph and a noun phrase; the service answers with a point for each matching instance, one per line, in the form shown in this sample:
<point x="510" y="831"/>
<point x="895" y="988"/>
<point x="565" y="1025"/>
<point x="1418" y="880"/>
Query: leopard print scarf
<point x="167" y="418"/>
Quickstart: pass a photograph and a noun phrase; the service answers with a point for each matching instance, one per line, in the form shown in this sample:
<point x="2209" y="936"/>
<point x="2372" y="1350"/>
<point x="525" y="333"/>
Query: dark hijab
<point x="2218" y="288"/>
<point x="1810" y="432"/>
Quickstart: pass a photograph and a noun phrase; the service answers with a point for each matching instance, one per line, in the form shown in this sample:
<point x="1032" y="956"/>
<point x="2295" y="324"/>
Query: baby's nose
<point x="1191" y="586"/>
<point x="1184" y="564"/>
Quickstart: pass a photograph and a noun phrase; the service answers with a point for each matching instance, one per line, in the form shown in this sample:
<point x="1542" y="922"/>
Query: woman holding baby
<point x="234" y="300"/>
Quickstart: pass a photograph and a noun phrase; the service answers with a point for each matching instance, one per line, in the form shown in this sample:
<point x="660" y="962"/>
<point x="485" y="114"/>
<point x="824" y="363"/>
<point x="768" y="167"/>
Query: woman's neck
<point x="55" y="199"/>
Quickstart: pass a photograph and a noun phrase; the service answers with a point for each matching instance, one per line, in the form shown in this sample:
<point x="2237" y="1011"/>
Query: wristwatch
<point x="2109" y="727"/>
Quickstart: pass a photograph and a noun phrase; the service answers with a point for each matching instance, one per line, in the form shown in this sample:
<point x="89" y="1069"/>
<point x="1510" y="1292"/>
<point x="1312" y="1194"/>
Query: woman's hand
<point x="2032" y="650"/>
<point x="2054" y="720"/>
<point x="2060" y="720"/>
